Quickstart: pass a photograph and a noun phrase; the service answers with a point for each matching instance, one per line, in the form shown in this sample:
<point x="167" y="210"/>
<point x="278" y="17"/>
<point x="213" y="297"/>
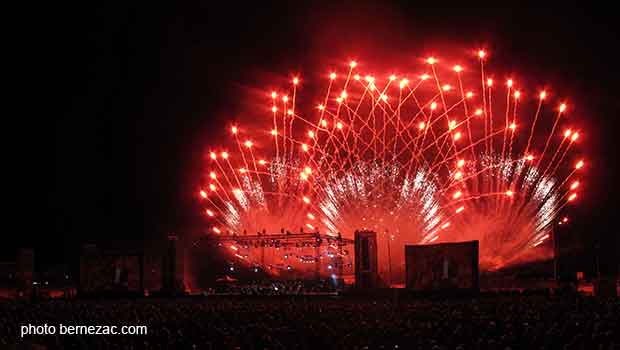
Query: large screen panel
<point x="111" y="272"/>
<point x="443" y="266"/>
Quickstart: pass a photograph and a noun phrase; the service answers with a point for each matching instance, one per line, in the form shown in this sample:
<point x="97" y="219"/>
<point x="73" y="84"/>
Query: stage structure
<point x="25" y="268"/>
<point x="443" y="266"/>
<point x="173" y="265"/>
<point x="287" y="240"/>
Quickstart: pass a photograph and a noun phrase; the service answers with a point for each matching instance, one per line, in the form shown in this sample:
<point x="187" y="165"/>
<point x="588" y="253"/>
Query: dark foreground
<point x="495" y="322"/>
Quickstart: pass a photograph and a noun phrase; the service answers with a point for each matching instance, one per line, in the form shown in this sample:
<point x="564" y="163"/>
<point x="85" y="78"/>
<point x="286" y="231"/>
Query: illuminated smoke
<point x="447" y="155"/>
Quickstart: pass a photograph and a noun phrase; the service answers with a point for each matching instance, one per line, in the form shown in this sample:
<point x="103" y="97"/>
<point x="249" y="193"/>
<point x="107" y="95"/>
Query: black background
<point x="121" y="100"/>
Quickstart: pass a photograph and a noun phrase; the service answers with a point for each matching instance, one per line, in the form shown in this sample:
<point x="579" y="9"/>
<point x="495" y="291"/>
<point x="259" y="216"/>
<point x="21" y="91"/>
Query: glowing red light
<point x="574" y="137"/>
<point x="579" y="164"/>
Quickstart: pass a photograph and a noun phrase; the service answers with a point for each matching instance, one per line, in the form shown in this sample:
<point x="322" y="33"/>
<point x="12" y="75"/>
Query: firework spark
<point x="447" y="155"/>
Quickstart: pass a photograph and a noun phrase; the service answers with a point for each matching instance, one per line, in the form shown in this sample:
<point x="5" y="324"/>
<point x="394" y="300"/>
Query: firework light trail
<point x="446" y="155"/>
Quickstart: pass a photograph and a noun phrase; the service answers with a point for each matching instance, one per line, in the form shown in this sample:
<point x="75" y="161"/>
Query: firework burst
<point x="445" y="155"/>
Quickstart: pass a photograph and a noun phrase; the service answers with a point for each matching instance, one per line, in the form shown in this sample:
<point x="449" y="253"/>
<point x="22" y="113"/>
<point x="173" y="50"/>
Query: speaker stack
<point x="366" y="264"/>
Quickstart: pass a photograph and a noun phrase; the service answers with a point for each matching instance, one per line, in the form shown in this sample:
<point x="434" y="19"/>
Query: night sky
<point x="132" y="94"/>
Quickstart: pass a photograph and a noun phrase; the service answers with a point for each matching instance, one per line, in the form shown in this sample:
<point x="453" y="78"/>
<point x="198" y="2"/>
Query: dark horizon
<point x="138" y="92"/>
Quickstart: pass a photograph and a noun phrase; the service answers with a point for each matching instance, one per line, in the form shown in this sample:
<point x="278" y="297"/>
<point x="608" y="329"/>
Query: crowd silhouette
<point x="497" y="322"/>
<point x="267" y="287"/>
